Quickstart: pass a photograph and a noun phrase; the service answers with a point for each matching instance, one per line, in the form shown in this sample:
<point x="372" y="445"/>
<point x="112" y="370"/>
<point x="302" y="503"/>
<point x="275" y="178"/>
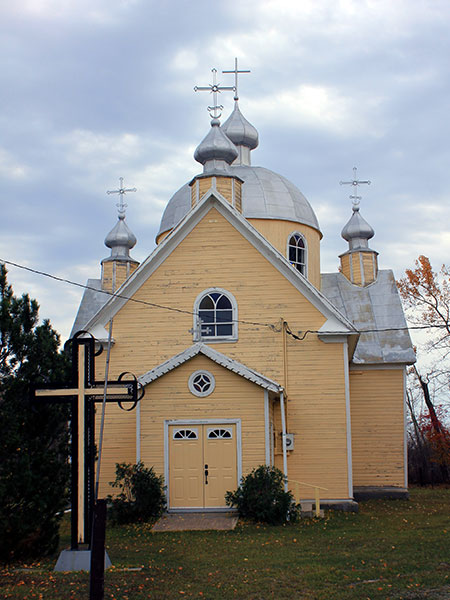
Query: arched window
<point x="297" y="252"/>
<point x="215" y="316"/>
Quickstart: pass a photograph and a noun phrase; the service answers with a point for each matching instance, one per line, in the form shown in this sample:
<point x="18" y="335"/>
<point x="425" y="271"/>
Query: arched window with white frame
<point x="297" y="252"/>
<point x="215" y="316"/>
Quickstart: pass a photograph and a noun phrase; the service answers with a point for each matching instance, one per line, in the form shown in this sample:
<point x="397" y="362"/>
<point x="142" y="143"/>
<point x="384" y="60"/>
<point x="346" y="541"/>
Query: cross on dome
<point x="121" y="191"/>
<point x="214" y="88"/>
<point x="236" y="71"/>
<point x="355" y="182"/>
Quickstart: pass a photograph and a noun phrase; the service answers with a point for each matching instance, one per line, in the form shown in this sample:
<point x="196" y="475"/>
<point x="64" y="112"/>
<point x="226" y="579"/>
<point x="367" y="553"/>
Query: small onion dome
<point x="357" y="232"/>
<point x="216" y="151"/>
<point x="120" y="239"/>
<point x="239" y="130"/>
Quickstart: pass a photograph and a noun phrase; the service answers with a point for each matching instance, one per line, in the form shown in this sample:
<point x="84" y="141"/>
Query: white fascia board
<point x="215" y="356"/>
<point x="184" y="227"/>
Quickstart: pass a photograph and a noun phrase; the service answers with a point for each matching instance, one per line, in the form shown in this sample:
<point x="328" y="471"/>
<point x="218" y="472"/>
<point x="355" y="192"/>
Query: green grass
<point x="389" y="550"/>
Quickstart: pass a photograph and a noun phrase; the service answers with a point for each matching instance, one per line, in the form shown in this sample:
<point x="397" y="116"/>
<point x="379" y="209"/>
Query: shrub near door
<point x="142" y="497"/>
<point x="261" y="497"/>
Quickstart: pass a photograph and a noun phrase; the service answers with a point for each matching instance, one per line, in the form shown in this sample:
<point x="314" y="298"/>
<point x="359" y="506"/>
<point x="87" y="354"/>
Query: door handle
<point x="206" y="474"/>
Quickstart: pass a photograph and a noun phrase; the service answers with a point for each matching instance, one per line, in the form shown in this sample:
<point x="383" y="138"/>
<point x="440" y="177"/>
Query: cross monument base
<point x="77" y="560"/>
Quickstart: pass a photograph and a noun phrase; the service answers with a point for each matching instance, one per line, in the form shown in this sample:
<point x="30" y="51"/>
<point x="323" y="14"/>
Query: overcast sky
<point x="94" y="90"/>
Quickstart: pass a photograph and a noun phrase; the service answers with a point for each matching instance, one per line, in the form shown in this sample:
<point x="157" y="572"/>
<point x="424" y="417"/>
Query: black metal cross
<point x="82" y="392"/>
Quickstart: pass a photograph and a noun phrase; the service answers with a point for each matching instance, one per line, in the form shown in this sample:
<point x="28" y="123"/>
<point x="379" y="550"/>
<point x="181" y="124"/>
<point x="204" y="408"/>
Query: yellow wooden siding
<point x="119" y="442"/>
<point x="194" y="191"/>
<point x="233" y="398"/>
<point x="345" y="266"/>
<point x="204" y="184"/>
<point x="215" y="254"/>
<point x="107" y="275"/>
<point x="377" y="411"/>
<point x="238" y="195"/>
<point x="357" y="274"/>
<point x="278" y="232"/>
<point x="114" y="273"/>
<point x="224" y="186"/>
<point x="368" y="266"/>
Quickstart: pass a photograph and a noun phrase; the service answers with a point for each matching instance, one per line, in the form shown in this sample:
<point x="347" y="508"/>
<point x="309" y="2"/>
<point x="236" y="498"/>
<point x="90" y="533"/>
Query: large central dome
<point x="265" y="194"/>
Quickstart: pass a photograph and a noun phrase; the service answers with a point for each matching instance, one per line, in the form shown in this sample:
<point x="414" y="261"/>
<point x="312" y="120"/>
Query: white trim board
<point x="338" y="322"/>
<point x="215" y="356"/>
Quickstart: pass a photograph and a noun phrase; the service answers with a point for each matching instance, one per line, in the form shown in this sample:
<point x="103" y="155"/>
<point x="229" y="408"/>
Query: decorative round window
<point x="201" y="383"/>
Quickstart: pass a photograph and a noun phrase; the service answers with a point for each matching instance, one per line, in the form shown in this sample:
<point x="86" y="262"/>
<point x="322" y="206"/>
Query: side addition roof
<point x="92" y="301"/>
<point x="375" y="307"/>
<point x="217" y="357"/>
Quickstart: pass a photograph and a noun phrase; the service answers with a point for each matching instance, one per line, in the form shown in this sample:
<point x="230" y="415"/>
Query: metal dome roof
<point x="357" y="231"/>
<point x="120" y="239"/>
<point x="265" y="195"/>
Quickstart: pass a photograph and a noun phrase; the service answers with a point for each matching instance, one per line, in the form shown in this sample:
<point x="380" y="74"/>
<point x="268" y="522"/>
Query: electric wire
<point x="271" y="326"/>
<point x="122" y="296"/>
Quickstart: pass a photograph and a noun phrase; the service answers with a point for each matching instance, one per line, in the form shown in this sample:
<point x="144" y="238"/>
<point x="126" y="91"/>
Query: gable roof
<point x="217" y="357"/>
<point x="336" y="321"/>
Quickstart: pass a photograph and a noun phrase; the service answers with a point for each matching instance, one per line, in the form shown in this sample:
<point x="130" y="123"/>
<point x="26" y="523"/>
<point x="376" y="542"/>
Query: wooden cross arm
<point x="123" y="391"/>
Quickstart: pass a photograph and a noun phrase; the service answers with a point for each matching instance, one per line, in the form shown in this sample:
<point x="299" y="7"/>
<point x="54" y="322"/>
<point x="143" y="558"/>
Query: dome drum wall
<point x="278" y="233"/>
<point x="359" y="266"/>
<point x="229" y="187"/>
<point x="265" y="195"/>
<point x="115" y="272"/>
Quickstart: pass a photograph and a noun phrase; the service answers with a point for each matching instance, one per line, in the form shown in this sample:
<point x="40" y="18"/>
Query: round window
<point x="201" y="383"/>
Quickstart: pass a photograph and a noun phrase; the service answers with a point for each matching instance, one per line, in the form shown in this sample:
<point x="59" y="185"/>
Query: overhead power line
<point x="302" y="334"/>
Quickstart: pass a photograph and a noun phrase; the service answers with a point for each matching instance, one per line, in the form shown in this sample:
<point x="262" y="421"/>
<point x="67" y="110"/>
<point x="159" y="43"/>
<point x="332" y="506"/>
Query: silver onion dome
<point x="357" y="231"/>
<point x="120" y="239"/>
<point x="216" y="151"/>
<point x="242" y="133"/>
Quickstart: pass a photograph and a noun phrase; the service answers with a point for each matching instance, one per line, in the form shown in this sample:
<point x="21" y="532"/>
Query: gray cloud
<point x="96" y="90"/>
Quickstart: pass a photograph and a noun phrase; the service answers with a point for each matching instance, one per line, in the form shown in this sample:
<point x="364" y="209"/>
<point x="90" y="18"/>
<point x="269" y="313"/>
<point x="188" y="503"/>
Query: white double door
<point x="202" y="465"/>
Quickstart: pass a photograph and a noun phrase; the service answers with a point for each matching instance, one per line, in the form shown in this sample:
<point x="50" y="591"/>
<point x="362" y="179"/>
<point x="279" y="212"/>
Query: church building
<point x="249" y="355"/>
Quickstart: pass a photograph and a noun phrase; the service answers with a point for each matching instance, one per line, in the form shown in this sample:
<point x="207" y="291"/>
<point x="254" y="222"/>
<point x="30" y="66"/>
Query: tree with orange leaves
<point x="426" y="296"/>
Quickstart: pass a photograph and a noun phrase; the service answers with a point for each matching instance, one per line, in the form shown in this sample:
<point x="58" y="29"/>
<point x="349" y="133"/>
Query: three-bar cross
<point x="215" y="88"/>
<point x="355" y="182"/>
<point x="121" y="191"/>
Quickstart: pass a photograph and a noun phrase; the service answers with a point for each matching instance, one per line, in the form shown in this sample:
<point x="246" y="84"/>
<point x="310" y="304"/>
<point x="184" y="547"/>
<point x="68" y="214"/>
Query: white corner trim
<point x="348" y="421"/>
<point x="405" y="437"/>
<point x="266" y="426"/>
<point x="283" y="437"/>
<point x="138" y="431"/>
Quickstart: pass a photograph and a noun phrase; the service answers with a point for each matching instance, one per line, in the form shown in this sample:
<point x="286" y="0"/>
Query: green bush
<point x="142" y="497"/>
<point x="261" y="497"/>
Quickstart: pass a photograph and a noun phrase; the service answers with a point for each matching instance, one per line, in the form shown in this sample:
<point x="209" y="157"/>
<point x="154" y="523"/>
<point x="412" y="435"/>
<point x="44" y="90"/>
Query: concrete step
<point x="307" y="510"/>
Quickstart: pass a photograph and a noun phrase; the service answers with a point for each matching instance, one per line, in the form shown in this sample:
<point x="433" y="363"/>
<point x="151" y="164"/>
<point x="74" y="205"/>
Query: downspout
<point x="283" y="437"/>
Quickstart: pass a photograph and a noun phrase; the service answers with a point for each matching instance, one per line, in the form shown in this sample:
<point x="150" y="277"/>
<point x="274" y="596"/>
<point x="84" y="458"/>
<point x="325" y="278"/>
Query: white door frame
<point x="178" y="422"/>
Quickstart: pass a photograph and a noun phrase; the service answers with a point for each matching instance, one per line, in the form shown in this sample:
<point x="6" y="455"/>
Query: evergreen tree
<point x="34" y="471"/>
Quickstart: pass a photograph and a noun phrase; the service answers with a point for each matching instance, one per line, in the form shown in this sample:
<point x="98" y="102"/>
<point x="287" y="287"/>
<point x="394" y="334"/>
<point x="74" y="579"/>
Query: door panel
<point x="220" y="456"/>
<point x="191" y="448"/>
<point x="186" y="468"/>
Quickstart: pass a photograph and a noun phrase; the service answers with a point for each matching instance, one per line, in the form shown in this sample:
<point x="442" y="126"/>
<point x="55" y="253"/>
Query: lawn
<point x="389" y="550"/>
